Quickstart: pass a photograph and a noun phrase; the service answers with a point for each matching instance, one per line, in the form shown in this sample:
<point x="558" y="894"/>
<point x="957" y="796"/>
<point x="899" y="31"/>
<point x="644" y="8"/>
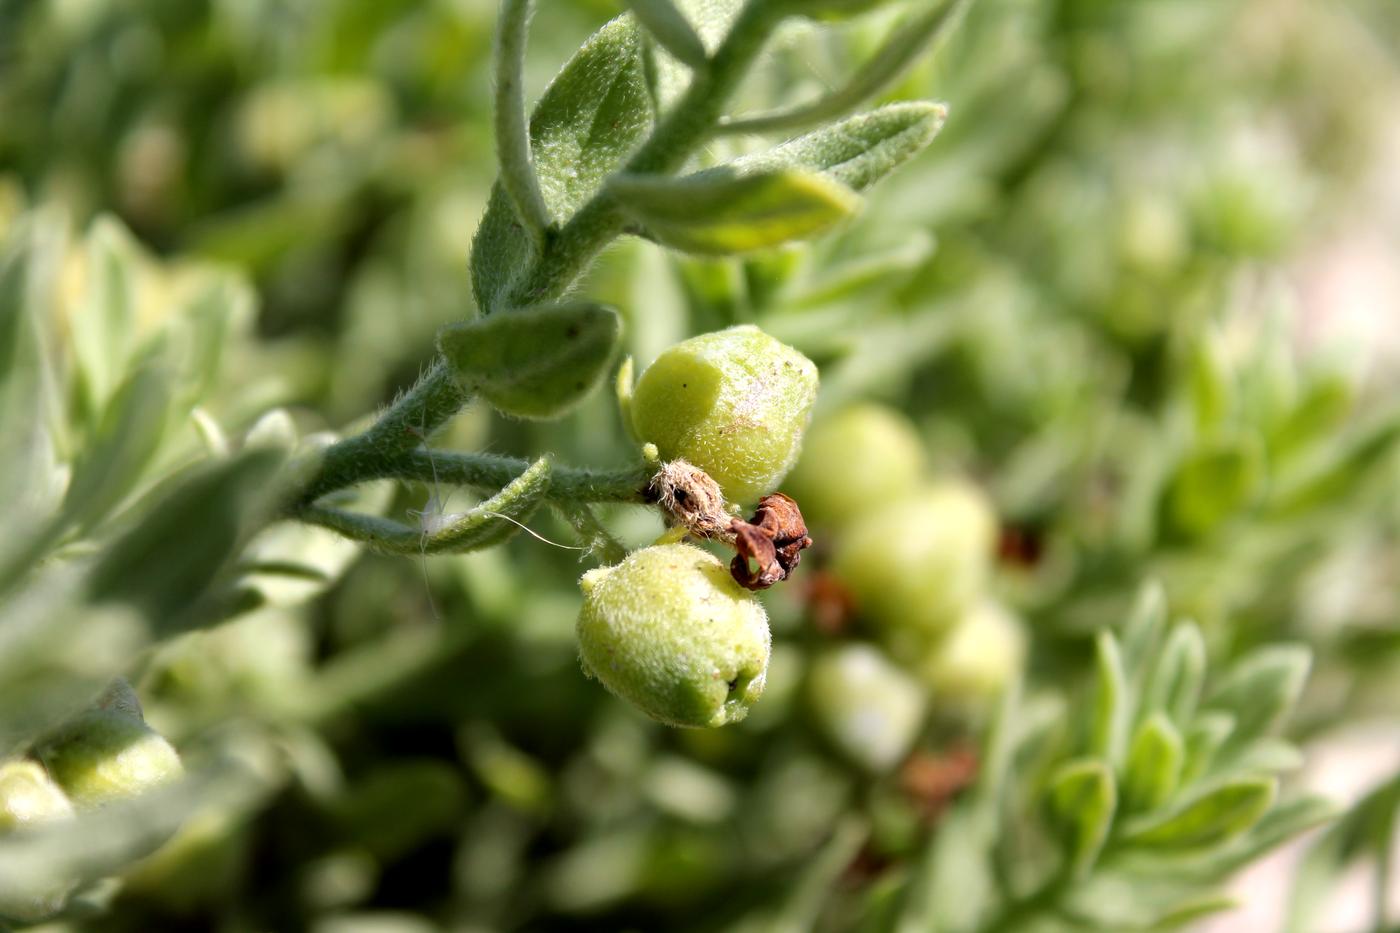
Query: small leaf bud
<point x="670" y="631"/>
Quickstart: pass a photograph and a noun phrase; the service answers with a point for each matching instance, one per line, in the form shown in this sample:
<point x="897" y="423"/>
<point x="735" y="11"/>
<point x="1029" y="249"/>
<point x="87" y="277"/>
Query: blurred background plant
<point x="1130" y="318"/>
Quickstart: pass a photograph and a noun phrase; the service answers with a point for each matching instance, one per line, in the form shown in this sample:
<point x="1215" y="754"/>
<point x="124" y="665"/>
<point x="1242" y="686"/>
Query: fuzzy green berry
<point x="918" y="564"/>
<point x="670" y="631"/>
<point x="861" y="457"/>
<point x="105" y="755"/>
<point x="870" y="709"/>
<point x="733" y="403"/>
<point x="29" y="799"/>
<point x="978" y="658"/>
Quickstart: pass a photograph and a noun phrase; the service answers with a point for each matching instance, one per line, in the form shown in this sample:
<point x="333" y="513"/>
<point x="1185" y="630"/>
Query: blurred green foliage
<point x="230" y="226"/>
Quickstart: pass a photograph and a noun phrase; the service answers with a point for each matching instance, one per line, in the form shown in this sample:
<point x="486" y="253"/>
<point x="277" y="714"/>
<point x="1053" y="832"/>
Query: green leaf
<point x="486" y="525"/>
<point x="1262" y="689"/>
<point x="719" y="212"/>
<point x="1213" y="484"/>
<point x="1193" y="909"/>
<point x="538" y="362"/>
<point x="126" y="440"/>
<point x="1143" y="630"/>
<point x="1112" y="702"/>
<point x="866" y="275"/>
<point x="166" y="561"/>
<point x="859" y="150"/>
<point x="1212" y="818"/>
<point x="589" y="120"/>
<point x="1204" y="740"/>
<point x="670" y="27"/>
<point x="105" y="328"/>
<point x="1175" y="685"/>
<point x="1153" y="770"/>
<point x="1082" y="800"/>
<point x="1280" y="824"/>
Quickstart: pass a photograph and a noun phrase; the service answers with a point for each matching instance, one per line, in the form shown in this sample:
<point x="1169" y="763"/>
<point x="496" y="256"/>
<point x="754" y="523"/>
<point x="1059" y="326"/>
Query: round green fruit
<point x="918" y="564"/>
<point x="979" y="658"/>
<point x="858" y="459"/>
<point x="733" y="403"/>
<point x="105" y="755"/>
<point x="870" y="709"/>
<point x="670" y="631"/>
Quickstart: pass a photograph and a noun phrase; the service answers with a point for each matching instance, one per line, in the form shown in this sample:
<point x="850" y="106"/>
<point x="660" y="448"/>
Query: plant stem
<point x="389" y="447"/>
<point x="512" y="127"/>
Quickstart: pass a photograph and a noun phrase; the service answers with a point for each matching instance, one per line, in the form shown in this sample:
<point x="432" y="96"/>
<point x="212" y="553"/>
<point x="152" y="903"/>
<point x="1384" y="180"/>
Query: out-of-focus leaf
<point x="1174" y="686"/>
<point x="1262" y="689"/>
<point x="1207" y="735"/>
<point x="399" y="805"/>
<point x="668" y="26"/>
<point x="1082" y="798"/>
<point x="537" y="362"/>
<point x="1112" y="700"/>
<point x="589" y="120"/>
<point x="1142" y="632"/>
<point x="1212" y="485"/>
<point x="167" y="560"/>
<point x="1154" y="765"/>
<point x="104" y="331"/>
<point x="1212" y="818"/>
<point x="719" y="212"/>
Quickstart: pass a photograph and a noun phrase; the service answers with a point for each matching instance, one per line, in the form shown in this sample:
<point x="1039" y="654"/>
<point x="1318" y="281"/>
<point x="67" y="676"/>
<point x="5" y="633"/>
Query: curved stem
<point x="512" y="126"/>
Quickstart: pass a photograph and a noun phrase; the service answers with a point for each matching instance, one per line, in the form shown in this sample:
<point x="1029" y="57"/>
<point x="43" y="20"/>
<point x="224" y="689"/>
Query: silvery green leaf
<point x="1262" y="689"/>
<point x="1216" y="816"/>
<point x="1112" y="701"/>
<point x="667" y="76"/>
<point x="589" y="120"/>
<point x="1083" y="799"/>
<point x="126" y="439"/>
<point x="1207" y="735"/>
<point x="719" y="212"/>
<point x="1153" y="768"/>
<point x="104" y="330"/>
<point x="165" y="562"/>
<point x="537" y="362"/>
<point x="1174" y="686"/>
<point x="1280" y="824"/>
<point x="865" y="275"/>
<point x="669" y="26"/>
<point x="1142" y="632"/>
<point x="859" y="150"/>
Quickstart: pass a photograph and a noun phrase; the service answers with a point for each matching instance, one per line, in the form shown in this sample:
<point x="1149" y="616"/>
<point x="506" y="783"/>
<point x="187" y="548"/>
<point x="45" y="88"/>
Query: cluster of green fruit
<point x="669" y="629"/>
<point x="915" y="556"/>
<point x="102" y="756"/>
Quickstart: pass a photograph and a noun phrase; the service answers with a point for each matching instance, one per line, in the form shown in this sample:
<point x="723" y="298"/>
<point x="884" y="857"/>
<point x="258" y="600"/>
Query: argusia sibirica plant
<point x="619" y="144"/>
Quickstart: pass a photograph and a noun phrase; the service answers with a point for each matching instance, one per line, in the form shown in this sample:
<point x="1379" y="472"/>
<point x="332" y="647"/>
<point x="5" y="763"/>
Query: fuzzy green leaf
<point x="1212" y="485"/>
<point x="1262" y="689"/>
<point x="1112" y="702"/>
<point x="1175" y="685"/>
<point x="859" y="150"/>
<point x="1214" y="817"/>
<point x="719" y="212"/>
<point x="1142" y="631"/>
<point x="537" y="362"/>
<point x="168" y="560"/>
<point x="1082" y="800"/>
<point x="1204" y="740"/>
<point x="589" y="120"/>
<point x="486" y="525"/>
<point x="1154" y="763"/>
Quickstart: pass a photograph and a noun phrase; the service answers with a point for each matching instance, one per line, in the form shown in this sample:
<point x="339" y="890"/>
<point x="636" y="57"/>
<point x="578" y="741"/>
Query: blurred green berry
<point x="29" y="798"/>
<point x="978" y="658"/>
<point x="670" y="631"/>
<point x="733" y="403"/>
<point x="870" y="709"/>
<point x="916" y="565"/>
<point x="861" y="457"/>
<point x="104" y="755"/>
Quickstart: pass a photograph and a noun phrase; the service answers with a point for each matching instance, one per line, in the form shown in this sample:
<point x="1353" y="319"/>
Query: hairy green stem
<point x="390" y="447"/>
<point x="516" y="164"/>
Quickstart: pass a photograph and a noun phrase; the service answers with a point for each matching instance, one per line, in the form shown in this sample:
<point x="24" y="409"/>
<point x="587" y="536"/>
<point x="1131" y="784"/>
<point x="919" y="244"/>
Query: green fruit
<point x="976" y="661"/>
<point x="670" y="631"/>
<point x="28" y="799"/>
<point x="857" y="460"/>
<point x="870" y="709"/>
<point x="916" y="565"/>
<point x="104" y="756"/>
<point x="733" y="403"/>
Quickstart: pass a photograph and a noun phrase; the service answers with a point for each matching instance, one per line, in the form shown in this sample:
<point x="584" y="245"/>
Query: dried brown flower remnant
<point x="934" y="780"/>
<point x="773" y="539"/>
<point x="691" y="499"/>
